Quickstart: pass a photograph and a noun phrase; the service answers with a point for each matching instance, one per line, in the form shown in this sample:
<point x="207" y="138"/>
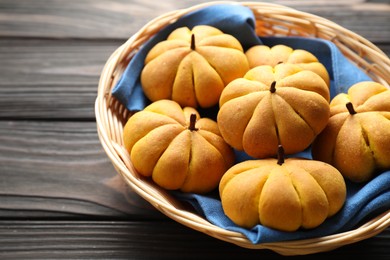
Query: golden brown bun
<point x="254" y="119"/>
<point x="193" y="71"/>
<point x="263" y="55"/>
<point x="357" y="145"/>
<point x="300" y="193"/>
<point x="162" y="146"/>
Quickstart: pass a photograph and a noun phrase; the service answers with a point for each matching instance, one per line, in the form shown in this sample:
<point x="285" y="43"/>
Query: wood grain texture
<point x="60" y="167"/>
<point x="140" y="240"/>
<point x="122" y="18"/>
<point x="51" y="78"/>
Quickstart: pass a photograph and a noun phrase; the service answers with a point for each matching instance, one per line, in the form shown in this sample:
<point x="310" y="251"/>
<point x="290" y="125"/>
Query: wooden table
<point x="60" y="196"/>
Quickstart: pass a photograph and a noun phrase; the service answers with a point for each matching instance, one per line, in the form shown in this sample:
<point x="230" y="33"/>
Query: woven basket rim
<point x="111" y="115"/>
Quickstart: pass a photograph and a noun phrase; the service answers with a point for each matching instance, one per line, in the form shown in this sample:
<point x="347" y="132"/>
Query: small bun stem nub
<point x="273" y="87"/>
<point x="280" y="154"/>
<point x="193" y="42"/>
<point x="192" y="123"/>
<point x="350" y="108"/>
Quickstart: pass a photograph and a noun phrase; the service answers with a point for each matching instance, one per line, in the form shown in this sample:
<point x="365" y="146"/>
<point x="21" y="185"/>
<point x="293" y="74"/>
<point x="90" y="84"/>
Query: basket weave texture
<point x="272" y="20"/>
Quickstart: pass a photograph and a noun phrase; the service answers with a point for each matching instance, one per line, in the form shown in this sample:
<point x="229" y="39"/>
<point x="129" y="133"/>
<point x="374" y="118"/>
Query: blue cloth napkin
<point x="363" y="200"/>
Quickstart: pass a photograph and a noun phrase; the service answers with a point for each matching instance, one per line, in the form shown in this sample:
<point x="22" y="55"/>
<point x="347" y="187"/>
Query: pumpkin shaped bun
<point x="282" y="194"/>
<point x="176" y="148"/>
<point x="357" y="138"/>
<point x="264" y="55"/>
<point x="273" y="105"/>
<point x="192" y="67"/>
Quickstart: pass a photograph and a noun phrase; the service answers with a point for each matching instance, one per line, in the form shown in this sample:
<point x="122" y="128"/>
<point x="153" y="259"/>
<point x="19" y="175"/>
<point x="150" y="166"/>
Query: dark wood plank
<point x="122" y="18"/>
<point x="51" y="78"/>
<point x="60" y="167"/>
<point x="77" y="19"/>
<point x="145" y="240"/>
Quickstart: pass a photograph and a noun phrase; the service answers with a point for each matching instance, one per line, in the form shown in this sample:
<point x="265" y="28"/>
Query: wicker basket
<point x="272" y="20"/>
